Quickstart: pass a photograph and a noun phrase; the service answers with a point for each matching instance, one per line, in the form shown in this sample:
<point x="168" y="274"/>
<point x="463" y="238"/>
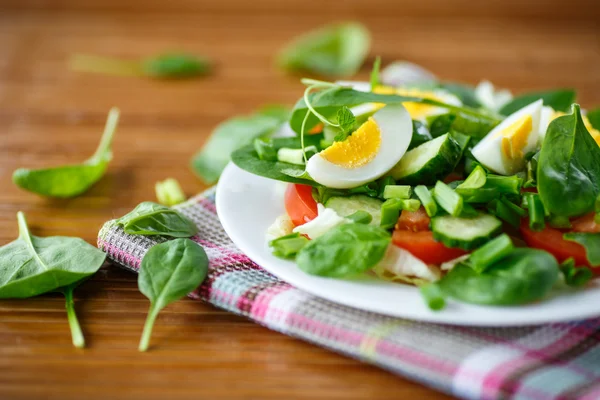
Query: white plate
<point x="248" y="204"/>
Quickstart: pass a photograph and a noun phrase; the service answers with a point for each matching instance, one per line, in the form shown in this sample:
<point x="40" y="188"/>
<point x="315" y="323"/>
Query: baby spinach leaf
<point x="344" y="251"/>
<point x="591" y="242"/>
<point x="594" y="118"/>
<point x="523" y="276"/>
<point x="168" y="272"/>
<point x="71" y="180"/>
<point x="149" y="219"/>
<point x="175" y="65"/>
<point x="327" y="102"/>
<point x="560" y="100"/>
<point x="568" y="172"/>
<point x="335" y="50"/>
<point x="233" y="134"/>
<point x="33" y="265"/>
<point x="247" y="159"/>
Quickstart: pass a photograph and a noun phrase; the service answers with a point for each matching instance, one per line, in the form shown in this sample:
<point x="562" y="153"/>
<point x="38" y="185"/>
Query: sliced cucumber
<point x="465" y="233"/>
<point x="346" y="206"/>
<point x="431" y="161"/>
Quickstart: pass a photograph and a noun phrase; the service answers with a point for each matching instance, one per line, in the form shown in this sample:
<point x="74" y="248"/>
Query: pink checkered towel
<point x="556" y="361"/>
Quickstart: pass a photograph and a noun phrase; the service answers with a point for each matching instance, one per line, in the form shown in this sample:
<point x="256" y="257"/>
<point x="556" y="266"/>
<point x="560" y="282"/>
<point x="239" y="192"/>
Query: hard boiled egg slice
<point x="371" y="151"/>
<point x="503" y="149"/>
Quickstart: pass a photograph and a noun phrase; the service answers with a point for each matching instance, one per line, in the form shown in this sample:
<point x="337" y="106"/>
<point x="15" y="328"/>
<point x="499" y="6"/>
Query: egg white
<point x="489" y="150"/>
<point x="395" y="127"/>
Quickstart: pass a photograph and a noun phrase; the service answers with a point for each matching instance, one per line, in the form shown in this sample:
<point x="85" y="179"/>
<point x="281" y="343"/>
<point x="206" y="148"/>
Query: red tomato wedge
<point x="412" y="233"/>
<point x="300" y="206"/>
<point x="551" y="240"/>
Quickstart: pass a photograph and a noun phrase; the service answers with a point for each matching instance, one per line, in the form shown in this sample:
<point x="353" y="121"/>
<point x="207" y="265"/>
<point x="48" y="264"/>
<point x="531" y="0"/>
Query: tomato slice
<point x="586" y="223"/>
<point x="551" y="240"/>
<point x="414" y="220"/>
<point x="300" y="206"/>
<point x="423" y="246"/>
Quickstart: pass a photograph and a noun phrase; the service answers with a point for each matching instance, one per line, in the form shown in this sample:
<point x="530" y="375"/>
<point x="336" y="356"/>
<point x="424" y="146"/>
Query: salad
<point x="464" y="191"/>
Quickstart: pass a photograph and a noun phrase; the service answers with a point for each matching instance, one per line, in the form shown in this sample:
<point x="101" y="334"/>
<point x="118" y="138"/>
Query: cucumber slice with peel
<point x="465" y="233"/>
<point x="345" y="206"/>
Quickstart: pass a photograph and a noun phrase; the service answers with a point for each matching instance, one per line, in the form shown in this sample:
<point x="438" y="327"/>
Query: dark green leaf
<point x="560" y="100"/>
<point x="33" y="265"/>
<point x="591" y="242"/>
<point x="168" y="272"/>
<point x="331" y="50"/>
<point x="231" y="135"/>
<point x="523" y="276"/>
<point x="71" y="180"/>
<point x="594" y="118"/>
<point x="568" y="173"/>
<point x="175" y="66"/>
<point x="154" y="219"/>
<point x="247" y="159"/>
<point x="344" y="251"/>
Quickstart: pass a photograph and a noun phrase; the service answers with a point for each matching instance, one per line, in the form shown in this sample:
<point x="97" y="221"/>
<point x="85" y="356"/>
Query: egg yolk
<point x="588" y="125"/>
<point x="419" y="110"/>
<point x="358" y="149"/>
<point x="514" y="137"/>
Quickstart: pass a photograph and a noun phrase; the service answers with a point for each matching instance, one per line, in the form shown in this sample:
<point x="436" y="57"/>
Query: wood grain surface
<point x="50" y="115"/>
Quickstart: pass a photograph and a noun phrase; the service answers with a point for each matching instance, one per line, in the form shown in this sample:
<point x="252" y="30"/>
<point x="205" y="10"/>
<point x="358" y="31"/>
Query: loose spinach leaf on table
<point x="168" y="272"/>
<point x="327" y="102"/>
<point x="344" y="251"/>
<point x="71" y="180"/>
<point x="591" y="242"/>
<point x="247" y="159"/>
<point x="233" y="134"/>
<point x="334" y="50"/>
<point x="33" y="265"/>
<point x="524" y="276"/>
<point x="149" y="219"/>
<point x="568" y="171"/>
<point x="560" y="100"/>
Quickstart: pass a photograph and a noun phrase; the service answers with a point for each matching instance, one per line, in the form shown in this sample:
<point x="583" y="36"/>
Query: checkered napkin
<point x="557" y="361"/>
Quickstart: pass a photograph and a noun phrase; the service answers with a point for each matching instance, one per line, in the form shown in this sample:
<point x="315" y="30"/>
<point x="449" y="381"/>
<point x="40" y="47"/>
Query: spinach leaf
<point x="591" y="242"/>
<point x="233" y="134"/>
<point x="560" y="100"/>
<point x="594" y="118"/>
<point x="168" y="272"/>
<point x="568" y="172"/>
<point x="247" y="159"/>
<point x="332" y="50"/>
<point x="33" y="265"/>
<point x="149" y="219"/>
<point x="175" y="65"/>
<point x="344" y="251"/>
<point x="523" y="276"/>
<point x="328" y="101"/>
<point x="71" y="180"/>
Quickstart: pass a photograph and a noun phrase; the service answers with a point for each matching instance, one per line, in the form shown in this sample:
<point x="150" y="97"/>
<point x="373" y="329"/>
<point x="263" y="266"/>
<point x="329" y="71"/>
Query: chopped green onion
<point x="494" y="250"/>
<point x="361" y="217"/>
<point x="575" y="276"/>
<point x="370" y="189"/>
<point x="448" y="199"/>
<point x="295" y="156"/>
<point x="390" y="211"/>
<point x="426" y="199"/>
<point x="169" y="193"/>
<point x="330" y="132"/>
<point x="383" y="182"/>
<point x="537" y="215"/>
<point x="514" y="207"/>
<point x="324" y="143"/>
<point x="433" y="295"/>
<point x="397" y="192"/>
<point x="505" y="184"/>
<point x="289" y="245"/>
<point x="411" y="204"/>
<point x="375" y="73"/>
<point x="475" y="180"/>
<point x="508" y="213"/>
<point x="265" y="150"/>
<point x="559" y="221"/>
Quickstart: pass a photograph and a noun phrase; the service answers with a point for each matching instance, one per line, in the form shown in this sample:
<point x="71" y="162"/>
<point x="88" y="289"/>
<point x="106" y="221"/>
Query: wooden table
<point x="49" y="116"/>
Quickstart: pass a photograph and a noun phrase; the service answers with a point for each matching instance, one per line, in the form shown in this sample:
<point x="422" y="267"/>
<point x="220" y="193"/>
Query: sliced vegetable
<point x="448" y="199"/>
<point x="344" y="251"/>
<point x="465" y="233"/>
<point x="348" y="206"/>
<point x="423" y="246"/>
<point x="390" y="211"/>
<point x="575" y="276"/>
<point x="169" y="271"/>
<point x="428" y="162"/>
<point x="300" y="204"/>
<point x="417" y="220"/>
<point x="288" y="246"/>
<point x="568" y="175"/>
<point x="154" y="219"/>
<point x="234" y="134"/>
<point x="434" y="296"/>
<point x="426" y="199"/>
<point x="332" y="50"/>
<point x="397" y="191"/>
<point x="537" y="214"/>
<point x="420" y="135"/>
<point x="71" y="180"/>
<point x="361" y="217"/>
<point x="491" y="252"/>
<point x="169" y="192"/>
